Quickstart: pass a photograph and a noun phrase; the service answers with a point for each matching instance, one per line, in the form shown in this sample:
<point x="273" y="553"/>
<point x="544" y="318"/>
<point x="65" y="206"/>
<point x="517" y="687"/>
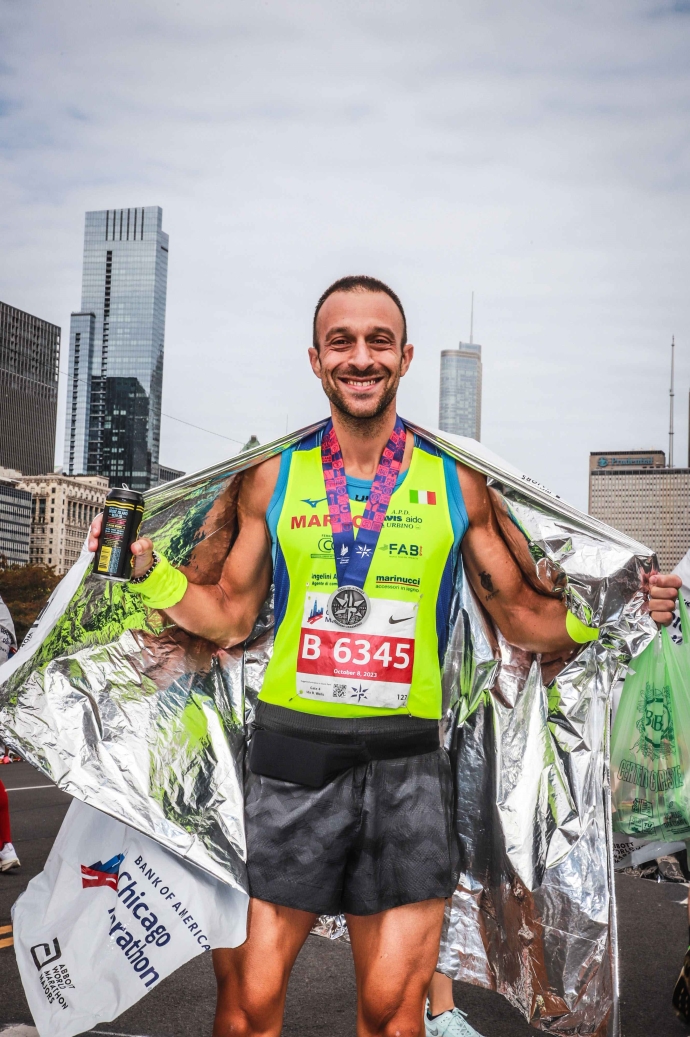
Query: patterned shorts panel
<point x="378" y="836"/>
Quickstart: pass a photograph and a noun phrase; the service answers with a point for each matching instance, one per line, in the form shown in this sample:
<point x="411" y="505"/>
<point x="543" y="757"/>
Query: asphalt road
<point x="321" y="997"/>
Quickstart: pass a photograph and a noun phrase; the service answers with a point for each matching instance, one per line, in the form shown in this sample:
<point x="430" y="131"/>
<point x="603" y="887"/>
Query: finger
<point x="661" y="609"/>
<point x="665" y="580"/>
<point x="663" y="593"/>
<point x="142" y="550"/>
<point x="141" y="546"/>
<point x="665" y="599"/>
<point x="666" y="615"/>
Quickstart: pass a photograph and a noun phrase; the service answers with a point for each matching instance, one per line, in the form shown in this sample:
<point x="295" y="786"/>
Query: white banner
<point x="112" y="914"/>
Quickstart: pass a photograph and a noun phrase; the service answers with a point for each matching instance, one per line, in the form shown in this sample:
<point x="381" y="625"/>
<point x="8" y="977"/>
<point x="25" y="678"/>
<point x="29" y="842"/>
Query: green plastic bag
<point x="650" y="752"/>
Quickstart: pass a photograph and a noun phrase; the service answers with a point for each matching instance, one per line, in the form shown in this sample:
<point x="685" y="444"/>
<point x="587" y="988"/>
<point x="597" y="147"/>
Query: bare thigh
<point x="395" y="954"/>
<point x="252" y="979"/>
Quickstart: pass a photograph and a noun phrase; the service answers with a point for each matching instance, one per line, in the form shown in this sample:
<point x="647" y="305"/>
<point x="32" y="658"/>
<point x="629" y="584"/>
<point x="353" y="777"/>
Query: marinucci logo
<point x="400" y="581"/>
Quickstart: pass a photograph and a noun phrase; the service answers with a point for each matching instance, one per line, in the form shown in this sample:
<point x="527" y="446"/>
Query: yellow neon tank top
<point x="413" y="566"/>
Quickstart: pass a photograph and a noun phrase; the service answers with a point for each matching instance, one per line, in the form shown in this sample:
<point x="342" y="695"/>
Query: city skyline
<point x="545" y="169"/>
<point x="116" y="349"/>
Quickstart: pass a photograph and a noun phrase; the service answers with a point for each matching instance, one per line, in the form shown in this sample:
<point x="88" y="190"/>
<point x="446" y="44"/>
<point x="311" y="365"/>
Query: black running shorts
<point x="377" y="836"/>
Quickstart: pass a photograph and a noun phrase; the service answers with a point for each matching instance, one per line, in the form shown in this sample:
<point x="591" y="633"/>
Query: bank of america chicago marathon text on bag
<point x="92" y="938"/>
<point x="134" y="897"/>
<point x="139" y="949"/>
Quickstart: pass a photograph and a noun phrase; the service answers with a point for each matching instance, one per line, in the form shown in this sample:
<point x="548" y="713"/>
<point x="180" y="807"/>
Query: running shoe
<point x="8" y="857"/>
<point x="681" y="994"/>
<point x="449" y="1024"/>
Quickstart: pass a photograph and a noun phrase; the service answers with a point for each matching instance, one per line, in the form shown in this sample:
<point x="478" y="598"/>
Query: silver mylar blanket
<point x="134" y="716"/>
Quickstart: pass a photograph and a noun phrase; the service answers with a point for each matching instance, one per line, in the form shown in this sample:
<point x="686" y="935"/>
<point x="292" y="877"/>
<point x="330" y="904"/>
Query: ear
<point x="407" y="355"/>
<point x="315" y="361"/>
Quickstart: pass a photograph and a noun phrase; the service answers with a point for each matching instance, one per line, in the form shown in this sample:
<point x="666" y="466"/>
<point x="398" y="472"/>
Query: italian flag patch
<point x="422" y="497"/>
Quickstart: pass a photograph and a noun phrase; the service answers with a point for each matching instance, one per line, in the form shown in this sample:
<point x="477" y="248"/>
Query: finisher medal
<point x="349" y="606"/>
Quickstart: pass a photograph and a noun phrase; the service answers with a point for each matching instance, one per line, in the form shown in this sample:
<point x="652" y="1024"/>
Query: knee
<point x="249" y="1013"/>
<point x="242" y="1021"/>
<point x="401" y="1021"/>
<point x="236" y="1022"/>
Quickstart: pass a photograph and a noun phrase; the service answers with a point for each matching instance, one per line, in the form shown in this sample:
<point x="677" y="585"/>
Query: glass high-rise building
<point x="29" y="364"/>
<point x="460" y="407"/>
<point x="115" y="377"/>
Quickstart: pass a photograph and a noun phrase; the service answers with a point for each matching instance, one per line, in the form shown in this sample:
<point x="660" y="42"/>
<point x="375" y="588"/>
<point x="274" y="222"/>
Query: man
<point x="348" y="801"/>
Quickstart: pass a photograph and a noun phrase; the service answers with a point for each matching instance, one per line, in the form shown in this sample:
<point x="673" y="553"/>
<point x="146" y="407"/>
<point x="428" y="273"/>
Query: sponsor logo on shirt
<point x="395" y="550"/>
<point x="401" y="581"/>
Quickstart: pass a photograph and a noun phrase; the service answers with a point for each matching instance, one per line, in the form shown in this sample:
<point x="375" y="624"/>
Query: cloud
<point x="534" y="153"/>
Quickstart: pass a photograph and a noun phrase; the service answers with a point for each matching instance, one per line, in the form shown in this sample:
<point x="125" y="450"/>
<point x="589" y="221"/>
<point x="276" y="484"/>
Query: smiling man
<point x="349" y="797"/>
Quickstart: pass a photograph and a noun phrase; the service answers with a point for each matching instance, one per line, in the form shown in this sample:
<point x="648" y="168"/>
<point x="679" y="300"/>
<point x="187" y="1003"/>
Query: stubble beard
<point x="362" y="424"/>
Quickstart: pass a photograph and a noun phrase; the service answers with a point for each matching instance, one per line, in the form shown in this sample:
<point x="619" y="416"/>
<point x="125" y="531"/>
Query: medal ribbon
<point x="354" y="557"/>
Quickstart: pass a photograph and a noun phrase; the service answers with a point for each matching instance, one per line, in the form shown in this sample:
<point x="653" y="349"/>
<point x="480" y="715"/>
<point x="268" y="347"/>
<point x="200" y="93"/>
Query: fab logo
<point x="394" y="550"/>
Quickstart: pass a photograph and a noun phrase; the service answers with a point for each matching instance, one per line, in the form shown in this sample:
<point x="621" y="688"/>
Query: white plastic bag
<point x="630" y="852"/>
<point x="112" y="914"/>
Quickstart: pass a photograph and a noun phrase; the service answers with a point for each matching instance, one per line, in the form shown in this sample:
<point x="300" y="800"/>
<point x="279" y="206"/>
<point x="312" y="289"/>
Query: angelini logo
<point x="99" y="874"/>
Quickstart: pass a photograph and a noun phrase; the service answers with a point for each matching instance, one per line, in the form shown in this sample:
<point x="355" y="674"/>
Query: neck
<point x="362" y="440"/>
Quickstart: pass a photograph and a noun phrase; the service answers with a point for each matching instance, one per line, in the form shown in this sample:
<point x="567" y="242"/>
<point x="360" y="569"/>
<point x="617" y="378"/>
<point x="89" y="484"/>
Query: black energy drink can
<point x="122" y="516"/>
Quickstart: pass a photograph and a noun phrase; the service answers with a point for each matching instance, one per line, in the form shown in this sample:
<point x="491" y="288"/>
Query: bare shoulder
<point x="475" y="494"/>
<point x="258" y="484"/>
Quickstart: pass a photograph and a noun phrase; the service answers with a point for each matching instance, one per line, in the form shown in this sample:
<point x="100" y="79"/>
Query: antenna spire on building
<point x="671" y="395"/>
<point x="472" y="320"/>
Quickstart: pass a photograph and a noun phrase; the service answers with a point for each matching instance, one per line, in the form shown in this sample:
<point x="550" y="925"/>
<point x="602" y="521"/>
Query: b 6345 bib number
<point x="380" y="658"/>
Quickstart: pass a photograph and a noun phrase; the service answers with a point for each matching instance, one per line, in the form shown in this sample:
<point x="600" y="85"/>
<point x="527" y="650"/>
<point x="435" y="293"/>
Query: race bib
<point x="370" y="665"/>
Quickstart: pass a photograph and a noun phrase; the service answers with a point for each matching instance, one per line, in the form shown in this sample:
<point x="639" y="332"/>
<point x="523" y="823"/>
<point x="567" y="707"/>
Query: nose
<point x="360" y="356"/>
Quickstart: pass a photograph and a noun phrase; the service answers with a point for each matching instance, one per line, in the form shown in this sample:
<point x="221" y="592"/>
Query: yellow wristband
<point x="578" y="631"/>
<point x="164" y="588"/>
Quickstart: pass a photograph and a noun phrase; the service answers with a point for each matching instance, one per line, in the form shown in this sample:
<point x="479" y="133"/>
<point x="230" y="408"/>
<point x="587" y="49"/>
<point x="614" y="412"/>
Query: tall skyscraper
<point x="635" y="492"/>
<point x="460" y="406"/>
<point x="115" y="377"/>
<point x="29" y="363"/>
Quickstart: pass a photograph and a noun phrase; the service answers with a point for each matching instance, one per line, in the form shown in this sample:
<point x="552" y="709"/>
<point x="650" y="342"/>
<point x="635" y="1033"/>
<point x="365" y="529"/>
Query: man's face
<point x="360" y="361"/>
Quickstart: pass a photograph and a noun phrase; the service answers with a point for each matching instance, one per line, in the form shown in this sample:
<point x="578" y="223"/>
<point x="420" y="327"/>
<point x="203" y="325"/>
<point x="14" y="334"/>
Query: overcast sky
<point x="534" y="152"/>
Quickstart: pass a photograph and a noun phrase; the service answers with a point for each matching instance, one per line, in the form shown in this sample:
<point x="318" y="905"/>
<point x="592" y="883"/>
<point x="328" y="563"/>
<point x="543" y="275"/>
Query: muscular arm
<point x="526" y="619"/>
<point x="225" y="612"/>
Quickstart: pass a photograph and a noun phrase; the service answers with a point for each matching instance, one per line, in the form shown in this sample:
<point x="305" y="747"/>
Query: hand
<point x="663" y="594"/>
<point x="141" y="549"/>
